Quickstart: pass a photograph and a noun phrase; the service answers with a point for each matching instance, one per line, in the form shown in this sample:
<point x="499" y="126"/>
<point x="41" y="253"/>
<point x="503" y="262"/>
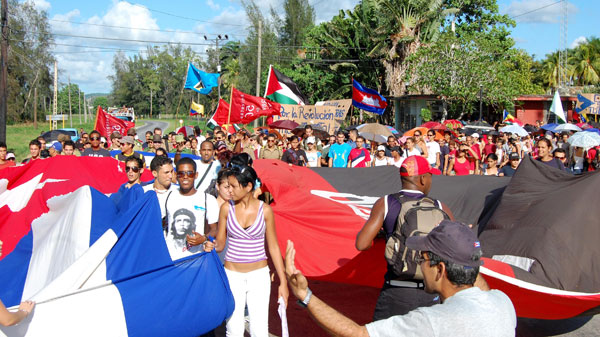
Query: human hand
<point x="297" y="281"/>
<point x="283" y="292"/>
<point x="195" y="239"/>
<point x="1" y="248"/>
<point x="27" y="307"/>
<point x="209" y="246"/>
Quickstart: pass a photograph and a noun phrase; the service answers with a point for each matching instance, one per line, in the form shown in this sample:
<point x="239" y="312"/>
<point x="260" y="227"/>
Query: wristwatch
<point x="304" y="303"/>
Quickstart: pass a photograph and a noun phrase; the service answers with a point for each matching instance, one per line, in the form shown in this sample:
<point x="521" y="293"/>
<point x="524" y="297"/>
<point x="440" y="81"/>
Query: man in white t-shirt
<point x="208" y="167"/>
<point x="189" y="212"/>
<point x="433" y="149"/>
<point x="162" y="170"/>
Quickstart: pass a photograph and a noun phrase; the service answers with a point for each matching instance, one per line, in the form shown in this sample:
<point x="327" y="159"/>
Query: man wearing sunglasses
<point x="96" y="150"/>
<point x="134" y="167"/>
<point x="127" y="144"/>
<point x="188" y="200"/>
<point x="449" y="258"/>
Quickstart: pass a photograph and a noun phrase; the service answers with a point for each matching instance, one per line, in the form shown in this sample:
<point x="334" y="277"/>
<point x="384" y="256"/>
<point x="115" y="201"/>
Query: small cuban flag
<point x="200" y="81"/>
<point x="196" y="109"/>
<point x="367" y="99"/>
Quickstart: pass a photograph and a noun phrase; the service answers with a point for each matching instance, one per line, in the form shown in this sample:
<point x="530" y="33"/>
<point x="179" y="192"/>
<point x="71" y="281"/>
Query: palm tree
<point x="586" y="63"/>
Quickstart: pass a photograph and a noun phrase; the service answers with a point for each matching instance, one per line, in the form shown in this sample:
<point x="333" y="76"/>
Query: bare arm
<point x="364" y="238"/>
<point x="450" y="166"/>
<point x="8" y="318"/>
<point x="330" y="164"/>
<point x="221" y="237"/>
<point x="271" y="236"/>
<point x="328" y="318"/>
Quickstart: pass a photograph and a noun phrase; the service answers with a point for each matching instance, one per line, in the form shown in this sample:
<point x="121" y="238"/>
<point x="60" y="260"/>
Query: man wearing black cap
<point x="509" y="169"/>
<point x="449" y="257"/>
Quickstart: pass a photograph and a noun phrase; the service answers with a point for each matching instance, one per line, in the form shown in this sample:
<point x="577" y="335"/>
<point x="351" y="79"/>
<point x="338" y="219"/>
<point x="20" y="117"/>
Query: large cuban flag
<point x="96" y="271"/>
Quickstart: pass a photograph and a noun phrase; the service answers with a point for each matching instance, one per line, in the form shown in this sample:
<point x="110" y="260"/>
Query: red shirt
<point x="359" y="157"/>
<point x="489" y="148"/>
<point x="7" y="163"/>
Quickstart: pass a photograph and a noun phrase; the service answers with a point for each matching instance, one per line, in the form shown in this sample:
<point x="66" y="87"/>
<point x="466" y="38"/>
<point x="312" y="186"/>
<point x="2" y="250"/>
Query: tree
<point x="299" y="19"/>
<point x="63" y="99"/>
<point x="100" y="101"/>
<point x="585" y="62"/>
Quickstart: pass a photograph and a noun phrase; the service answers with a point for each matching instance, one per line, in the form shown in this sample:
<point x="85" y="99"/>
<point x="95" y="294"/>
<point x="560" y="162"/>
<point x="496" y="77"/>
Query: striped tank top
<point x="245" y="245"/>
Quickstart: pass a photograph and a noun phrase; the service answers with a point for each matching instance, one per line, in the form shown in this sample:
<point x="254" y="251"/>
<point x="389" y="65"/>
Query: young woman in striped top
<point x="244" y="223"/>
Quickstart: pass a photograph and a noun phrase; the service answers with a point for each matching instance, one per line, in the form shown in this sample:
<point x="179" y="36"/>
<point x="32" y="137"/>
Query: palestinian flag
<point x="282" y="89"/>
<point x="539" y="251"/>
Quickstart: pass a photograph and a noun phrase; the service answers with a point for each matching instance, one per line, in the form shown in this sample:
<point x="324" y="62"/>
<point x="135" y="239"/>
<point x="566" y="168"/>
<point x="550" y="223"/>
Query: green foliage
<point x="63" y="99"/>
<point x="101" y="101"/>
<point x="425" y="114"/>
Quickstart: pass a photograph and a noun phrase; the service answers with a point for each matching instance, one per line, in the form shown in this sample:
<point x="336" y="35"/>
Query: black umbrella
<point x="480" y="123"/>
<point x="530" y="128"/>
<point x="52" y="135"/>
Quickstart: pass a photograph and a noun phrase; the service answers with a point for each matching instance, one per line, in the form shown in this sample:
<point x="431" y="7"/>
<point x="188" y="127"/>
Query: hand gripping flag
<point x="200" y="81"/>
<point x="282" y="89"/>
<point x="96" y="271"/>
<point x="107" y="124"/>
<point x="196" y="109"/>
<point x="367" y="99"/>
<point x="247" y="108"/>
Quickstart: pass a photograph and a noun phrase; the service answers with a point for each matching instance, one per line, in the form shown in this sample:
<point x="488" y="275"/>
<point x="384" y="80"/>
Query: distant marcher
<point x="313" y="156"/>
<point x="359" y="156"/>
<point x="34" y="151"/>
<point x="271" y="151"/>
<point x="127" y="144"/>
<point x="115" y="139"/>
<point x="509" y="169"/>
<point x="95" y="150"/>
<point x="339" y="152"/>
<point x="69" y="148"/>
<point x="544" y="147"/>
<point x="294" y="155"/>
<point x="4" y="162"/>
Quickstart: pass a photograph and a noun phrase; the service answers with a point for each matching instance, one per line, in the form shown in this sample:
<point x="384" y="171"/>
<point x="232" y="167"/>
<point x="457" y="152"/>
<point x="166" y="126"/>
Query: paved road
<point x="149" y="126"/>
<point x="578" y="326"/>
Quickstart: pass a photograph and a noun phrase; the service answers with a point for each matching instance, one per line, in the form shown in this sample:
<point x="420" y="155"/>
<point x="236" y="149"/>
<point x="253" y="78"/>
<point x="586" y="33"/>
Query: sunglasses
<point x="181" y="174"/>
<point x="135" y="169"/>
<point x="95" y="138"/>
<point x="560" y="158"/>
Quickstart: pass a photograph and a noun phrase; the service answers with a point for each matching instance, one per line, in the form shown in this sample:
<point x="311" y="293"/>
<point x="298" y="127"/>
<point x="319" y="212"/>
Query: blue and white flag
<point x="95" y="271"/>
<point x="367" y="99"/>
<point x="200" y="81"/>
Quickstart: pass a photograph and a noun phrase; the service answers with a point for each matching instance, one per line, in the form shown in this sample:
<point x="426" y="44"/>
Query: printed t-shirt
<point x="340" y="153"/>
<point x="91" y="153"/>
<point x="359" y="157"/>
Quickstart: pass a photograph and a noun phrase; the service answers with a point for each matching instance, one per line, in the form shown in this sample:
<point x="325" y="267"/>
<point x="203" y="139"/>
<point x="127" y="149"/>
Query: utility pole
<point x="3" y="70"/>
<point x="258" y="56"/>
<point x="150" y="102"/>
<point x="79" y="99"/>
<point x="70" y="115"/>
<point x="85" y="109"/>
<point x="35" y="108"/>
<point x="55" y="99"/>
<point x="219" y="37"/>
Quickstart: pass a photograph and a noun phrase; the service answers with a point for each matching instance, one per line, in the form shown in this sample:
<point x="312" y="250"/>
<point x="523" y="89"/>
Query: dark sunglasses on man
<point x="135" y="169"/>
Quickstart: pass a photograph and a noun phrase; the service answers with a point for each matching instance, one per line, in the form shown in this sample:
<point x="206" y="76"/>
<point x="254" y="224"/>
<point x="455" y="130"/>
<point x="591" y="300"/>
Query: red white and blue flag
<point x="367" y="99"/>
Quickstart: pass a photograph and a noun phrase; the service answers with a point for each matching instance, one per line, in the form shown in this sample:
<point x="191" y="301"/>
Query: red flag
<point x="221" y="115"/>
<point x="107" y="124"/>
<point x="247" y="108"/>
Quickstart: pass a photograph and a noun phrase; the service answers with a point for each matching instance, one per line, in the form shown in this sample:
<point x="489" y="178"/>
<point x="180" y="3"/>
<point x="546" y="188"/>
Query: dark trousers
<point x="394" y="301"/>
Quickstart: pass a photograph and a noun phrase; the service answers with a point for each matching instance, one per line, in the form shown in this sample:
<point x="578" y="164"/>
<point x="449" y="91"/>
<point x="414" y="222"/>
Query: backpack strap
<point x="166" y="217"/>
<point x="205" y="173"/>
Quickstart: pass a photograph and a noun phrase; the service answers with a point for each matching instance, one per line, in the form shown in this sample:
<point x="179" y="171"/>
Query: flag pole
<point x="182" y="87"/>
<point x="230" y="103"/>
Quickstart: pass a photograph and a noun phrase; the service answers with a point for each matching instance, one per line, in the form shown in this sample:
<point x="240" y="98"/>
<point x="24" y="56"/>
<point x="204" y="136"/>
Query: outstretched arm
<point x="364" y="238"/>
<point x="271" y="236"/>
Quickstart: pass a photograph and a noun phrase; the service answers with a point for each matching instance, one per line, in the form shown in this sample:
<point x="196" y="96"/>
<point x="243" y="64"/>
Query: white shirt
<point x="188" y="214"/>
<point x="433" y="148"/>
<point x="201" y="167"/>
<point x="161" y="195"/>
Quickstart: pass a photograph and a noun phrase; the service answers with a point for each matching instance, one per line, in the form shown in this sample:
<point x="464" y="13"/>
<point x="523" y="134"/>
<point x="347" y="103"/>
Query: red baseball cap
<point x="416" y="166"/>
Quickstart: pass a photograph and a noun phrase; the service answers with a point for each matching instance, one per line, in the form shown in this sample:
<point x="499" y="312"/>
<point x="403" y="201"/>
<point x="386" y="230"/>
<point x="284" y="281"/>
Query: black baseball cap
<point x="451" y="240"/>
<point x="514" y="156"/>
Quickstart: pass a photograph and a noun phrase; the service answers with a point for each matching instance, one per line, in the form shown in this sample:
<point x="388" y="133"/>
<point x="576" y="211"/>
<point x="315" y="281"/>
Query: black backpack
<point x="417" y="217"/>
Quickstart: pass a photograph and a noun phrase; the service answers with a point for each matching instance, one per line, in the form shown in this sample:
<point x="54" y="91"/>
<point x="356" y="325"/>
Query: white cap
<point x="310" y="140"/>
<point x="381" y="148"/>
<point x="475" y="135"/>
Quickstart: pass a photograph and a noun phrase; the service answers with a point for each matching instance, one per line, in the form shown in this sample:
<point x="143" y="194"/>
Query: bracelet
<point x="304" y="303"/>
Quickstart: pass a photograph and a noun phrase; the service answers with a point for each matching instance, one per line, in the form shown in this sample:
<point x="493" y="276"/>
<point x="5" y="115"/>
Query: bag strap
<point x="205" y="173"/>
<point x="206" y="230"/>
<point x="167" y="212"/>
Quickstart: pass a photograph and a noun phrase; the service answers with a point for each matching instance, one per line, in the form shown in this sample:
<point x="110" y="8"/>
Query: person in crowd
<point x="325" y="151"/>
<point x="544" y="147"/>
<point x="255" y="145"/>
<point x="81" y="141"/>
<point x="69" y="148"/>
<point x="162" y="171"/>
<point x="95" y="150"/>
<point x="11" y="157"/>
<point x="420" y="144"/>
<point x="399" y="294"/>
<point x="55" y="149"/>
<point x="134" y="167"/>
<point x="148" y="143"/>
<point x="161" y="152"/>
<point x="8" y="318"/>
<point x="489" y="145"/>
<point x="43" y="142"/>
<point x="589" y="157"/>
<point x="564" y="144"/>
<point x="198" y="135"/>
<point x="194" y="146"/>
<point x="578" y="160"/>
<point x="155" y="143"/>
<point x="207" y="167"/>
<point x="115" y="141"/>
<point x="34" y="151"/>
<point x="271" y="151"/>
<point x="509" y="169"/>
<point x="137" y="146"/>
<point x="4" y="161"/>
<point x="309" y="132"/>
<point x="339" y="152"/>
<point x="444" y="150"/>
<point x="352" y="135"/>
<point x="473" y="152"/>
<point x="359" y="156"/>
<point x="449" y="157"/>
<point x="410" y="149"/>
<point x="380" y="158"/>
<point x="500" y="150"/>
<point x="490" y="168"/>
<point x="461" y="165"/>
<point x="189" y="212"/>
<point x="449" y="257"/>
<point x="433" y="150"/>
<point x="294" y="155"/>
<point x="560" y="154"/>
<point x="158" y="131"/>
<point x="313" y="156"/>
<point x="397" y="156"/>
<point x="127" y="144"/>
<point x="391" y="142"/>
<point x="244" y="224"/>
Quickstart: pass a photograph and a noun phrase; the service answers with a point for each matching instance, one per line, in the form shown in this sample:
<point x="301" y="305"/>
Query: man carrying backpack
<point x="401" y="215"/>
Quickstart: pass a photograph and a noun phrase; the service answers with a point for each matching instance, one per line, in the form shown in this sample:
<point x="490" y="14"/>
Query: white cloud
<point x="538" y="11"/>
<point x="41" y="5"/>
<point x="578" y="41"/>
<point x="325" y="10"/>
<point x="214" y="6"/>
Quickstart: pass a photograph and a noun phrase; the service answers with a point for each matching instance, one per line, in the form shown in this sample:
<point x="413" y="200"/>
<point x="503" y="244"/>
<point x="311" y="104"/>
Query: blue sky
<point x="88" y="62"/>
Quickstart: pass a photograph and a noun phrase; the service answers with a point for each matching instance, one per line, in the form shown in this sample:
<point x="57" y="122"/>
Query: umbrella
<point x="479" y="124"/>
<point x="431" y="125"/>
<point x="319" y="133"/>
<point x="394" y="131"/>
<point x="583" y="126"/>
<point x="270" y="131"/>
<point x="52" y="135"/>
<point x="285" y="124"/>
<point x="453" y="124"/>
<point x="530" y="128"/>
<point x="584" y="139"/>
<point x="375" y="132"/>
<point x="186" y="131"/>
<point x="519" y="131"/>
<point x="592" y="130"/>
<point x="567" y="127"/>
<point x="549" y="127"/>
<point x="423" y="130"/>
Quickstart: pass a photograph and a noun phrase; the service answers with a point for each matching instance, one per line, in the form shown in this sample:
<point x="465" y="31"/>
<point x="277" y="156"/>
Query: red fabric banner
<point x="222" y="114"/>
<point x="247" y="108"/>
<point x="107" y="124"/>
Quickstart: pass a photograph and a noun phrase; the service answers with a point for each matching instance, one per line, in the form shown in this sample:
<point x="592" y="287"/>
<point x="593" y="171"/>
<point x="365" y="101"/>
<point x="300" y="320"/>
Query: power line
<point x="535" y="10"/>
<point x="185" y="17"/>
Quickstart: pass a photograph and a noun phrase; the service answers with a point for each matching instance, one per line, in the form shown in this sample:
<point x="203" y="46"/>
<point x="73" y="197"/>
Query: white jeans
<point x="252" y="288"/>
